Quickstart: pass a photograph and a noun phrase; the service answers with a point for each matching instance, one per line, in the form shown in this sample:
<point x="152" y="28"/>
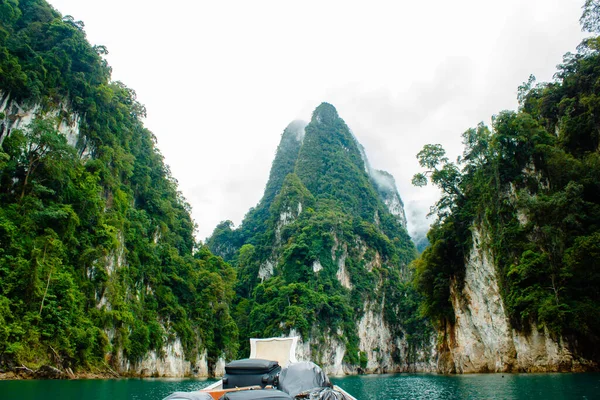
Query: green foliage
<point x="321" y="210"/>
<point x="441" y="172"/>
<point x="330" y="165"/>
<point x="590" y="18"/>
<point x="93" y="238"/>
<point x="532" y="184"/>
<point x="436" y="267"/>
<point x="362" y="359"/>
<point x="45" y="58"/>
<point x="224" y="241"/>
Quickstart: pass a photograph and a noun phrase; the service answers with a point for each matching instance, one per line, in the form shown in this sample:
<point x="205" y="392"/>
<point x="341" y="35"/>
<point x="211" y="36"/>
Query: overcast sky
<point x="222" y="79"/>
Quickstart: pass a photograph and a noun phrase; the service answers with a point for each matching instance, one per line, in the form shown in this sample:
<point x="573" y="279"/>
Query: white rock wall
<point x="378" y="343"/>
<point x="265" y="271"/>
<point x="482" y="334"/>
<point x="316" y="267"/>
<point x="172" y="364"/>
<point x="375" y="340"/>
<point x="328" y="353"/>
<point x="342" y="273"/>
<point x="395" y="207"/>
<point x="482" y="339"/>
<point x="17" y="116"/>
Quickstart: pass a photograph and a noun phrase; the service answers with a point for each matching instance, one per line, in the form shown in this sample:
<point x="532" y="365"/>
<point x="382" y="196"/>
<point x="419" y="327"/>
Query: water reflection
<point x="476" y="386"/>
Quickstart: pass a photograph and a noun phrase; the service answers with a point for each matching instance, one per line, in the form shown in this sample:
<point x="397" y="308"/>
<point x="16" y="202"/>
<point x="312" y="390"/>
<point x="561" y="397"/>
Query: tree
<point x="477" y="143"/>
<point x="40" y="144"/>
<point x="442" y="173"/>
<point x="590" y="18"/>
<point x="524" y="89"/>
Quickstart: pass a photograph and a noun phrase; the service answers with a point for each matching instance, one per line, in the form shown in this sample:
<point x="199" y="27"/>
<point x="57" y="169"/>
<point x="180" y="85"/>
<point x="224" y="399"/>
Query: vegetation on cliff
<point x="532" y="182"/>
<point x="320" y="245"/>
<point x="97" y="257"/>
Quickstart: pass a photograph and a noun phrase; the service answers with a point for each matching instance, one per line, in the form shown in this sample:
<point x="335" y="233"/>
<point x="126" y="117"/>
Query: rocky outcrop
<point x="386" y="187"/>
<point x="14" y="115"/>
<point x="376" y="342"/>
<point x="339" y="254"/>
<point x="328" y="352"/>
<point x="379" y="345"/>
<point x="171" y="362"/>
<point x="482" y="338"/>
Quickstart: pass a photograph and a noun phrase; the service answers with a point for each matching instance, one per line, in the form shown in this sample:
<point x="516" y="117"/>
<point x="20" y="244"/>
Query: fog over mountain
<point x="402" y="73"/>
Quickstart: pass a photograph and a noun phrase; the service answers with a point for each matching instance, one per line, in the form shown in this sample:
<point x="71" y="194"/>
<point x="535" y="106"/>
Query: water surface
<point x="366" y="387"/>
<point x="97" y="389"/>
<point x="474" y="386"/>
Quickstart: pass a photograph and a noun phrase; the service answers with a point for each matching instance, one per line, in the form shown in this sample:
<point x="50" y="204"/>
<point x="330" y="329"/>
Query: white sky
<point x="222" y="79"/>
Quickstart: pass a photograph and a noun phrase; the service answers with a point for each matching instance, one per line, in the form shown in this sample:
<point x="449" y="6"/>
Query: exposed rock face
<point x="266" y="270"/>
<point x="339" y="253"/>
<point x="171" y="362"/>
<point x="482" y="338"/>
<point x="18" y="116"/>
<point x="328" y="353"/>
<point x="386" y="186"/>
<point x="377" y="343"/>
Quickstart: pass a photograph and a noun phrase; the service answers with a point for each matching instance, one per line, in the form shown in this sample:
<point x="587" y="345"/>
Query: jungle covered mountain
<point x="98" y="263"/>
<point x="322" y="247"/>
<point x="531" y="182"/>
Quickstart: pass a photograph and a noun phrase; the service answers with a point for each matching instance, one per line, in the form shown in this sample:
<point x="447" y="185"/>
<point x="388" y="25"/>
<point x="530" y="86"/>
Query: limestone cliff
<point x="482" y="338"/>
<point x="511" y="274"/>
<point x="170" y="359"/>
<point x="324" y="256"/>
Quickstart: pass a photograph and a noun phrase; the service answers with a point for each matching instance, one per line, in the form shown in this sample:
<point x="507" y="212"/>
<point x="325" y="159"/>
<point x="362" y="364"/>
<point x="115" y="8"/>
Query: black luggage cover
<point x="250" y="366"/>
<point x="270" y="394"/>
<point x="302" y="376"/>
<point x="189" y="396"/>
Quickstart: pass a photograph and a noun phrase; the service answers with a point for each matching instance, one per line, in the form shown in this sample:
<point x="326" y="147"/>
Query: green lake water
<point x="366" y="387"/>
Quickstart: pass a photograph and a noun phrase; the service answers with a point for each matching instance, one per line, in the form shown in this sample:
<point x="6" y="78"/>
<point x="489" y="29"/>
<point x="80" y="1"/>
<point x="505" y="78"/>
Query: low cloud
<point x="402" y="74"/>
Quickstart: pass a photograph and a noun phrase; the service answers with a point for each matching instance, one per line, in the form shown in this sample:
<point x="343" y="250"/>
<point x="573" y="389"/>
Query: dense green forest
<point x="320" y="206"/>
<point x="95" y="239"/>
<point x="532" y="182"/>
<point x="99" y="265"/>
